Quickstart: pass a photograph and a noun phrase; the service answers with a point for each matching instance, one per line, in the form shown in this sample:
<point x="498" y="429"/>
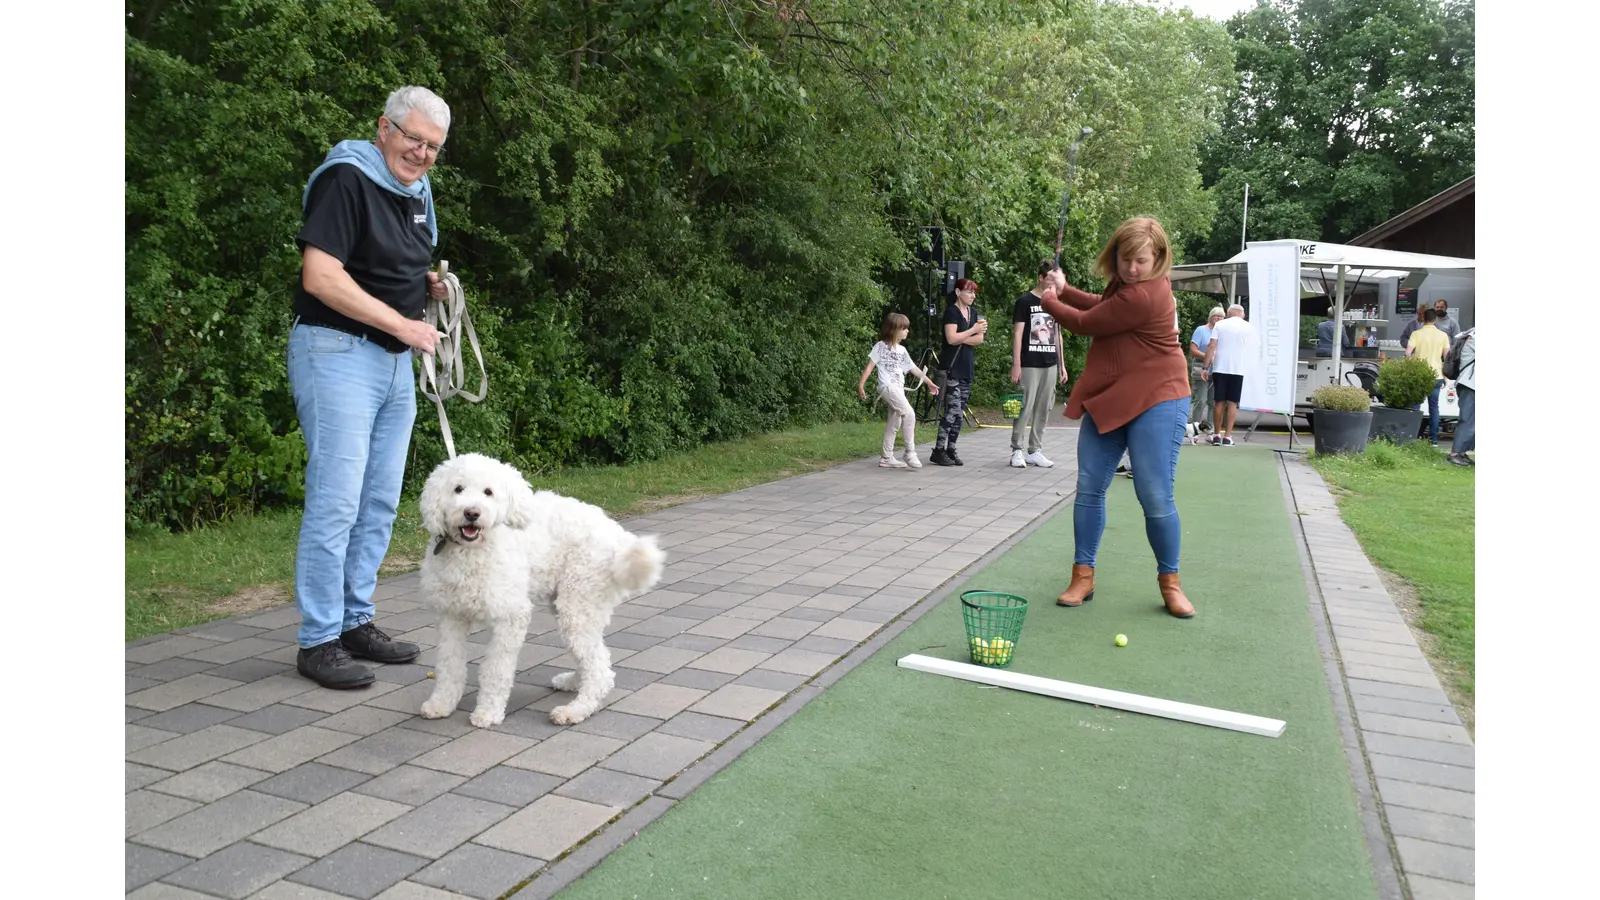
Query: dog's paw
<point x="567" y="715"/>
<point x="483" y="718"/>
<point x="437" y="709"/>
<point x="566" y="681"/>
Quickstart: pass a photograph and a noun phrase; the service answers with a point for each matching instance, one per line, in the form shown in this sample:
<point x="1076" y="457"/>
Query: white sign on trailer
<point x="1274" y="269"/>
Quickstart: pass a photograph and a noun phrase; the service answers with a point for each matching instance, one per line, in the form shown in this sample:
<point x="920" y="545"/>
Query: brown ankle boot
<point x="1080" y="588"/>
<point x="1172" y="595"/>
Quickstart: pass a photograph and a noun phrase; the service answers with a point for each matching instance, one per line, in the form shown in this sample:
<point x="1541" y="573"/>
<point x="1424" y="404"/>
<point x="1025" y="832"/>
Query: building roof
<point x="1417" y="213"/>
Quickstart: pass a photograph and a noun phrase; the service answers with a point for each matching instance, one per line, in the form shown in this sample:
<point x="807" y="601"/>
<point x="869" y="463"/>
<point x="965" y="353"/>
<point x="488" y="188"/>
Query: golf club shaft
<point x="1066" y="196"/>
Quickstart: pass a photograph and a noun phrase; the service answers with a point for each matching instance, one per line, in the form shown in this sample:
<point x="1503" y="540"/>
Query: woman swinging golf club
<point x="1133" y="395"/>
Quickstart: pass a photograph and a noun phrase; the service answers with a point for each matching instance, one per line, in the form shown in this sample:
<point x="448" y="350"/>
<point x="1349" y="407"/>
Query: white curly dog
<point x="497" y="550"/>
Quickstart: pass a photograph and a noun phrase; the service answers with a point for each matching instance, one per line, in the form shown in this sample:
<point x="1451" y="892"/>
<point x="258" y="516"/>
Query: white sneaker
<point x="1017" y="461"/>
<point x="1037" y="459"/>
<point x="889" y="462"/>
<point x="912" y="461"/>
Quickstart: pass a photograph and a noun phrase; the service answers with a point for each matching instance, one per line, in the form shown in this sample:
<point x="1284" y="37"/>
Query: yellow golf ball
<point x="1122" y="640"/>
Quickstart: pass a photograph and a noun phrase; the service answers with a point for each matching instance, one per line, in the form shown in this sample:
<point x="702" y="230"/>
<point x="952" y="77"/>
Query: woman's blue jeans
<point x="356" y="403"/>
<point x="1152" y="441"/>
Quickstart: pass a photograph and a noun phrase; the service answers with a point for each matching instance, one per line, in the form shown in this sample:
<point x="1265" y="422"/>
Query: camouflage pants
<point x="955" y="394"/>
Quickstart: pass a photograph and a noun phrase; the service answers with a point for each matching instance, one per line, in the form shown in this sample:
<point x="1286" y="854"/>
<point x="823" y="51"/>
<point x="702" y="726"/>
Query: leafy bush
<point x="1340" y="398"/>
<point x="1404" y="383"/>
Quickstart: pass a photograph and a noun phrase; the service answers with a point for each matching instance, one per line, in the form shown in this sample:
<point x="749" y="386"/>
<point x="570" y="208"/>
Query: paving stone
<point x="359" y="870"/>
<point x="173" y="669"/>
<point x="265" y="692"/>
<point x="142" y="865"/>
<point x="1416" y="728"/>
<point x="613" y="724"/>
<point x="853" y="630"/>
<point x="311" y="782"/>
<point x="290" y="749"/>
<point x="548" y="828"/>
<point x="658" y="701"/>
<point x="880" y="616"/>
<point x="410" y="890"/>
<point x="760" y="644"/>
<point x="165" y="648"/>
<point x="183" y="690"/>
<point x="379" y="693"/>
<point x="730" y="661"/>
<point x="817" y="615"/>
<point x="567" y="754"/>
<point x="401" y="674"/>
<point x="1413" y="693"/>
<point x="609" y="787"/>
<point x="253" y="669"/>
<point x="279" y="718"/>
<point x="1427" y="798"/>
<point x="631" y="641"/>
<point x="288" y="890"/>
<point x="216" y="825"/>
<point x="233" y="651"/>
<point x="1431" y="712"/>
<point x="1425" y="888"/>
<point x="238" y="871"/>
<point x="143" y="810"/>
<point x="1455" y="754"/>
<point x="411" y="785"/>
<point x="1392" y="675"/>
<point x="331" y="824"/>
<point x="736" y="701"/>
<point x="473" y="753"/>
<point x="799" y="662"/>
<point x="658" y="756"/>
<point x="188" y="718"/>
<point x="440" y="825"/>
<point x="210" y="782"/>
<point x="701" y="727"/>
<point x="138" y="737"/>
<point x="724" y="626"/>
<point x="826" y="645"/>
<point x="478" y="871"/>
<point x="363" y="720"/>
<point x="531" y="723"/>
<point x="830" y="601"/>
<point x="452" y="726"/>
<point x="1437" y="827"/>
<point x="190" y="750"/>
<point x="383" y="751"/>
<point x="699" y="642"/>
<point x="1371" y="649"/>
<point x="1456" y="778"/>
<point x="661" y="659"/>
<point x="1434" y="860"/>
<point x="699" y="679"/>
<point x="136" y="776"/>
<point x="663" y="626"/>
<point x="782" y="682"/>
<point x="511" y="786"/>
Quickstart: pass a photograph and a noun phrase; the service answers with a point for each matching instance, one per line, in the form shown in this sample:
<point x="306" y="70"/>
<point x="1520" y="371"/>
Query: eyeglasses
<point x="416" y="143"/>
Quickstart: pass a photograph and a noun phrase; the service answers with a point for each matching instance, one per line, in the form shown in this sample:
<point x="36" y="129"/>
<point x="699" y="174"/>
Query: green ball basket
<point x="1010" y="405"/>
<point x="994" y="625"/>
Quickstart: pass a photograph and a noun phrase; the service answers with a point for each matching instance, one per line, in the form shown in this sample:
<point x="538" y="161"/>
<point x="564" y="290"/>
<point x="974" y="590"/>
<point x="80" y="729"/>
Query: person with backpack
<point x="1459" y="363"/>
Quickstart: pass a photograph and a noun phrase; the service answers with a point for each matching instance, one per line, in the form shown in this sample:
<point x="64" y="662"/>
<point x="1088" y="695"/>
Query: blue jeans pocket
<point x="328" y="340"/>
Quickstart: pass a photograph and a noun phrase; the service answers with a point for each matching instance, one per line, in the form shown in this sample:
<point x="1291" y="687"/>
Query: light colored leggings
<point x="901" y="418"/>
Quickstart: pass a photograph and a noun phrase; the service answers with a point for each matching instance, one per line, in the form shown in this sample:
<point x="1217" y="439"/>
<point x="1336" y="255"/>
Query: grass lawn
<point x="1413" y="514"/>
<point x="177" y="580"/>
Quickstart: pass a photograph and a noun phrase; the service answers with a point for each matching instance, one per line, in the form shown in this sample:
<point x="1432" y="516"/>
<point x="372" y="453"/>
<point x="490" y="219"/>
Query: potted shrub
<point x="1403" y="386"/>
<point x="1341" y="418"/>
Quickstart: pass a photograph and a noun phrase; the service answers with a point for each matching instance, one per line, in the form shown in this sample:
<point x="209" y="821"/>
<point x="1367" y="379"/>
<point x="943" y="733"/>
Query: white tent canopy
<point x="1318" y="261"/>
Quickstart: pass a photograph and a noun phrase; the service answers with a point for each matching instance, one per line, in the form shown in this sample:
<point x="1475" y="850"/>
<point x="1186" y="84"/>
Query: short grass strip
<point x="900" y="784"/>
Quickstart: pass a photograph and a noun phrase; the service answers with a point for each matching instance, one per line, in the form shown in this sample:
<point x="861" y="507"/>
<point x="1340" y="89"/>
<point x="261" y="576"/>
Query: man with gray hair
<point x="366" y="249"/>
<point x="1226" y="361"/>
<point x="1200" y="388"/>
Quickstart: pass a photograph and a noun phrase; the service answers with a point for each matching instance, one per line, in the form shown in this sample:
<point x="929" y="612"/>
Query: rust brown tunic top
<point x="1135" y="360"/>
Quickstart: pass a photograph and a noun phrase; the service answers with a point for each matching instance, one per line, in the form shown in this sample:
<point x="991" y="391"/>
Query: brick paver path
<point x="245" y="780"/>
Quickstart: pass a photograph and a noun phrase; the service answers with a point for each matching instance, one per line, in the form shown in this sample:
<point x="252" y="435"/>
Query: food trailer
<point x="1373" y="293"/>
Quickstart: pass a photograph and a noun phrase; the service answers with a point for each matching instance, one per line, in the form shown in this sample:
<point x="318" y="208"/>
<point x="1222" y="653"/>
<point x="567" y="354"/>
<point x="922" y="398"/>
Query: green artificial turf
<point x="895" y="783"/>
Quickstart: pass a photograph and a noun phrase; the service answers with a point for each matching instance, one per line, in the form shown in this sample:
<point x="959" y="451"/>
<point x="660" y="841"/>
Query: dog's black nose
<point x="471" y="515"/>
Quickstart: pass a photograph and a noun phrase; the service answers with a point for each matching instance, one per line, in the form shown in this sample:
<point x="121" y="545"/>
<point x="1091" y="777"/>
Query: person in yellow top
<point x="1429" y="343"/>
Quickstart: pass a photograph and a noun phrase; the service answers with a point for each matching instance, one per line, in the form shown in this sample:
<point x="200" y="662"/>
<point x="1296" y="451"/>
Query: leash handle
<point x="449" y="316"/>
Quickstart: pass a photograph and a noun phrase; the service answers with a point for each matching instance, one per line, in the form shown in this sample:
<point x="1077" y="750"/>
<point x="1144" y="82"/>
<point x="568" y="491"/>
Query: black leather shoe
<point x="951" y="459"/>
<point x="367" y="641"/>
<point x="330" y="665"/>
<point x="938" y="457"/>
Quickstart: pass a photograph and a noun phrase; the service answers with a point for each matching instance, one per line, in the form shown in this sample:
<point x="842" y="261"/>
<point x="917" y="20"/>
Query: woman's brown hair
<point x="891" y="323"/>
<point x="1131" y="237"/>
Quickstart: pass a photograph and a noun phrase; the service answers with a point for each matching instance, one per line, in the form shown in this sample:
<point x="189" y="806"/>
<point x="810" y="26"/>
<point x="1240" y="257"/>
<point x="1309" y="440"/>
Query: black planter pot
<point x="1333" y="431"/>
<point x="1398" y="425"/>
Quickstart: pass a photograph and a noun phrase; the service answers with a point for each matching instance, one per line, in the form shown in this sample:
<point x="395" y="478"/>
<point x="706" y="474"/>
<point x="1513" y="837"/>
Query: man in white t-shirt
<point x="1226" y="358"/>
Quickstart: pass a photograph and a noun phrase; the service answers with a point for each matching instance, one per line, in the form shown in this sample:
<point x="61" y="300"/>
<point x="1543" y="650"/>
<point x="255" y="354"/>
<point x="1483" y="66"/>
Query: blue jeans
<point x="356" y="402"/>
<point x="1433" y="411"/>
<point x="1152" y="441"/>
<point x="1466" y="426"/>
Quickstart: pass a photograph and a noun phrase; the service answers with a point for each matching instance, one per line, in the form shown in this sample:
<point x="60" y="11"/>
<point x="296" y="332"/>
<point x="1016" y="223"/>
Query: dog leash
<point x="449" y="316"/>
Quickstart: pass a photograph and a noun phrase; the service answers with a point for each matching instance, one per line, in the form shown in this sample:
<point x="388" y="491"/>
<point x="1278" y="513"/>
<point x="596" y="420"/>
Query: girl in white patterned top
<point x="892" y="362"/>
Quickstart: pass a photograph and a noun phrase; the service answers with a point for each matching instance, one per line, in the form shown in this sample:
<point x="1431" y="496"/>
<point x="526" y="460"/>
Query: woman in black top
<point x="963" y="330"/>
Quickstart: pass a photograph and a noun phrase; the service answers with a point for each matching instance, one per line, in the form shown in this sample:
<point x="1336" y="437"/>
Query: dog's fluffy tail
<point x="638" y="568"/>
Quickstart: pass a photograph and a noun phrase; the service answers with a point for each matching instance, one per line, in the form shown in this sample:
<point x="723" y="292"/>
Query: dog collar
<point x="439" y="547"/>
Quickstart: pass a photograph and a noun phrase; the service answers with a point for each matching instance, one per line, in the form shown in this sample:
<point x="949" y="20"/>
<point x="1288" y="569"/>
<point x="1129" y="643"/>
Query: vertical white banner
<point x="1274" y="271"/>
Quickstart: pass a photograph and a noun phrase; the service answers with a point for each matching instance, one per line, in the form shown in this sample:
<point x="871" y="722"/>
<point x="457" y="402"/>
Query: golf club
<point x="1066" y="196"/>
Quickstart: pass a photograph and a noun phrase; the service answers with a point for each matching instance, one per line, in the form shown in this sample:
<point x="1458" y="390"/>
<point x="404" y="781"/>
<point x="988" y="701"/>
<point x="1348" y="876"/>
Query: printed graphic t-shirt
<point x="1039" y="332"/>
<point x="893" y="364"/>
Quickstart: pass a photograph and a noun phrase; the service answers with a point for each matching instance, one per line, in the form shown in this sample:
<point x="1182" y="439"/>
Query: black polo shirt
<point x="381" y="237"/>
